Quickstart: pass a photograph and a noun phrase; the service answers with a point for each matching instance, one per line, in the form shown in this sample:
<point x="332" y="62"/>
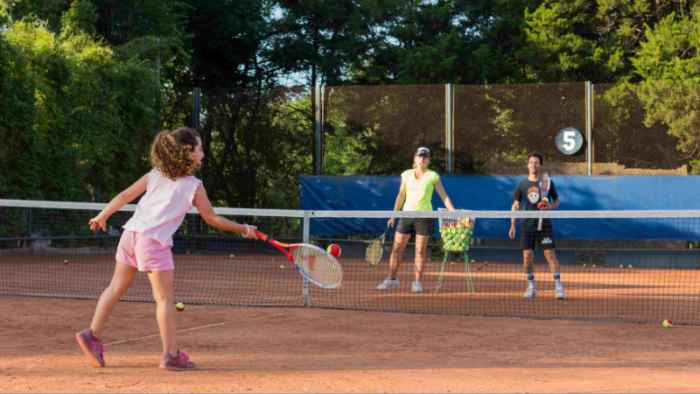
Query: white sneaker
<point x="559" y="292"/>
<point x="416" y="287"/>
<point x="531" y="292"/>
<point x="388" y="284"/>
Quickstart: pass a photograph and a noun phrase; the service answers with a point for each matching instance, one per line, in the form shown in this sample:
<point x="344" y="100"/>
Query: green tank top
<point x="419" y="192"/>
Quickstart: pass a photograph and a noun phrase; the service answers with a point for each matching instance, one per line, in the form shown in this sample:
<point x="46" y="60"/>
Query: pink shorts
<point x="144" y="253"/>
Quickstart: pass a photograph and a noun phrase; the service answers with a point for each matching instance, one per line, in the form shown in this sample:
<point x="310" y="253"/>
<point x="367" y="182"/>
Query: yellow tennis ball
<point x="180" y="306"/>
<point x="666" y="324"/>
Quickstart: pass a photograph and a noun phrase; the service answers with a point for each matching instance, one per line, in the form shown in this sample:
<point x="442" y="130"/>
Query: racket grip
<point x="261" y="236"/>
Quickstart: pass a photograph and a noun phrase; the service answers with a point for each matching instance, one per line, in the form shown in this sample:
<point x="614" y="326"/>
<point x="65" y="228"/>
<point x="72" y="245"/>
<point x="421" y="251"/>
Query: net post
<point x="306" y="237"/>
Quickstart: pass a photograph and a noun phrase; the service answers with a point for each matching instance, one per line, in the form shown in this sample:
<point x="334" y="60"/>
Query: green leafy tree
<point x="19" y="150"/>
<point x="668" y="63"/>
<point x="240" y="98"/>
<point x="49" y="11"/>
<point x="589" y="39"/>
<point x="90" y="113"/>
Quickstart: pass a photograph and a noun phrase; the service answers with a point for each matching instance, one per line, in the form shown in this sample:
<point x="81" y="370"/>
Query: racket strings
<point x="374" y="252"/>
<point x="319" y="266"/>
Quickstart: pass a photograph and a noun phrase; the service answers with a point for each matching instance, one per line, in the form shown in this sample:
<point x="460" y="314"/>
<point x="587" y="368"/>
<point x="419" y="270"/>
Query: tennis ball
<point x="333" y="250"/>
<point x="180" y="306"/>
<point x="666" y="324"/>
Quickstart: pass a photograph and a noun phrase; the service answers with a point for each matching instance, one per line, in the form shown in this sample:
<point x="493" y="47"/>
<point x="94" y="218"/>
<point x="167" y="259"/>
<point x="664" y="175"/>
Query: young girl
<point x="171" y="190"/>
<point x="415" y="194"/>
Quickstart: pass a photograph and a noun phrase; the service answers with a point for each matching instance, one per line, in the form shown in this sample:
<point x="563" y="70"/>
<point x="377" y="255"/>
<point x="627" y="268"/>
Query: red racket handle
<point x="261" y="236"/>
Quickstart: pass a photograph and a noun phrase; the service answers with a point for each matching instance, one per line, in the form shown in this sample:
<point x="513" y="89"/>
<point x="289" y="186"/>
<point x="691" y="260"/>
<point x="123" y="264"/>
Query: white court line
<point x="121" y="341"/>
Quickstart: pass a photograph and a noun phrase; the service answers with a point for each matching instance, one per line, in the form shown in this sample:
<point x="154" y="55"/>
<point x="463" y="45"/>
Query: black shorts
<point x="420" y="226"/>
<point x="530" y="238"/>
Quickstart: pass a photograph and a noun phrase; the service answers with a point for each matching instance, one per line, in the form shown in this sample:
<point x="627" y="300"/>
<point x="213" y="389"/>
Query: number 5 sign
<point x="569" y="141"/>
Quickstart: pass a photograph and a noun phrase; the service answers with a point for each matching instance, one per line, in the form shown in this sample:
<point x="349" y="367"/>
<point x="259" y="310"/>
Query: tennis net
<point x="615" y="265"/>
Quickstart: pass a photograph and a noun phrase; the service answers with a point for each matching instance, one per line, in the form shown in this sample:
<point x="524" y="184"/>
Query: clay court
<point x="604" y="338"/>
<point x="332" y="351"/>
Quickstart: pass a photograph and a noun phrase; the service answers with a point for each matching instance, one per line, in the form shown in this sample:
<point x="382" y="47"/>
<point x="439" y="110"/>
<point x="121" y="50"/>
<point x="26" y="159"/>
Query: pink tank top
<point x="161" y="210"/>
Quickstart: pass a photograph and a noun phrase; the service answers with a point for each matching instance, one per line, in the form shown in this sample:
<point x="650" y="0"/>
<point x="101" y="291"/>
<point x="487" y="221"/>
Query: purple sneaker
<point x="177" y="362"/>
<point x="92" y="347"/>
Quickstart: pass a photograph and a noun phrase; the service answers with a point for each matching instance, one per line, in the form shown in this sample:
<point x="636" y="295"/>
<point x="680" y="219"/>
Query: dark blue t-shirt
<point x="528" y="193"/>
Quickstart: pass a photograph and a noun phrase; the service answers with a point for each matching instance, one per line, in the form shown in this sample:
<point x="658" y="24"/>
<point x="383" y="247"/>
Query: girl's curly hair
<point x="170" y="152"/>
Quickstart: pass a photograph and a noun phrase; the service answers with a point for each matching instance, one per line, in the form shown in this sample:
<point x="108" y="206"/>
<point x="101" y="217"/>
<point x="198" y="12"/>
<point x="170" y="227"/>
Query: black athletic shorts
<point x="531" y="238"/>
<point x="419" y="226"/>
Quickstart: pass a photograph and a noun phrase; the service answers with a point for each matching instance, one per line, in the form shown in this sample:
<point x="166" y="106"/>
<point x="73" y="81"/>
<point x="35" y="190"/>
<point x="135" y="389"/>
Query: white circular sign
<point x="569" y="141"/>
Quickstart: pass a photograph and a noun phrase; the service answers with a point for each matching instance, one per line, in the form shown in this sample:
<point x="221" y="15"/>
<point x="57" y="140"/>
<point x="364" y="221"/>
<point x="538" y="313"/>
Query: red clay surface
<point x="333" y="351"/>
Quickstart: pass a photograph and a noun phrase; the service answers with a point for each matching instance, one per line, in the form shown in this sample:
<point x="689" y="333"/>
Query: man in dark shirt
<point x="528" y="196"/>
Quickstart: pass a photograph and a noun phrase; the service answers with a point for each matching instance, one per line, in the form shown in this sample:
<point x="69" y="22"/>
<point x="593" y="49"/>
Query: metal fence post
<point x="449" y="128"/>
<point x="318" y="129"/>
<point x="589" y="128"/>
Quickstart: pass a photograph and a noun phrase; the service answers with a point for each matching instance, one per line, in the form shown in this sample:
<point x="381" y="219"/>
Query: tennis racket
<point x="312" y="262"/>
<point x="375" y="249"/>
<point x="545" y="183"/>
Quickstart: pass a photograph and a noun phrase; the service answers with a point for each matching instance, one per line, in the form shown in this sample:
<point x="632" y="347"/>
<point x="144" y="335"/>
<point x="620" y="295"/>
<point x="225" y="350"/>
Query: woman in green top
<point x="415" y="194"/>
